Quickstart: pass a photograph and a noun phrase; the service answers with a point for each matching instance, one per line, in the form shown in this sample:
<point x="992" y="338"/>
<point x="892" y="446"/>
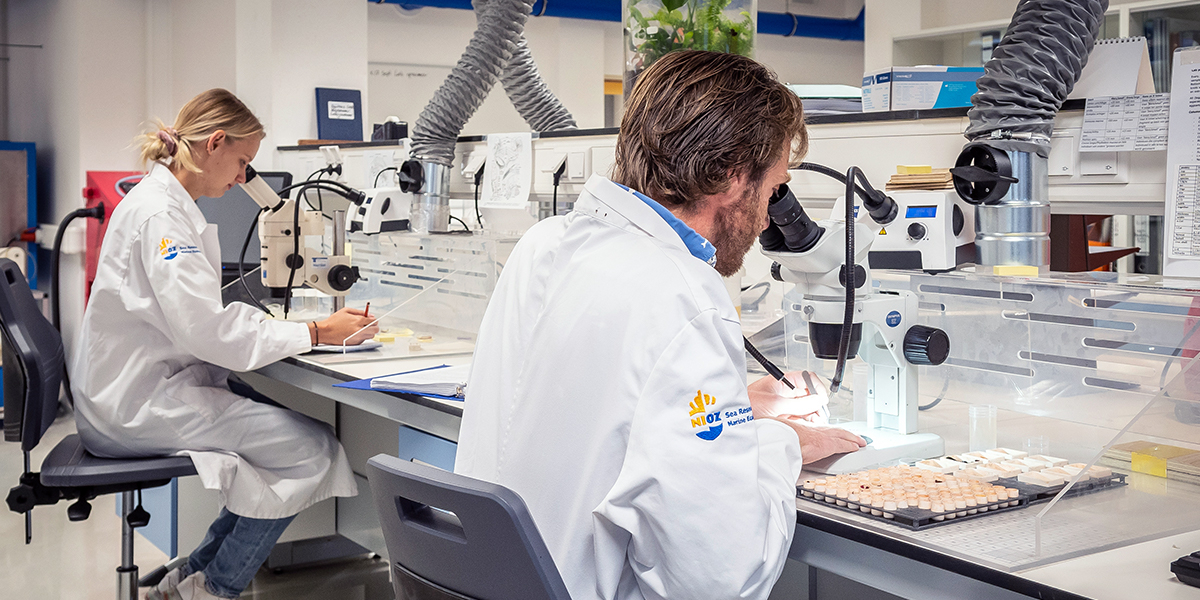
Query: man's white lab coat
<point x="156" y="347"/>
<point x="609" y="391"/>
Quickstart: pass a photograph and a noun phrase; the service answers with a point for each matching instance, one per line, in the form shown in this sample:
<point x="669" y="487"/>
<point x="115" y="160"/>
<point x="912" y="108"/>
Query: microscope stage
<point x="885" y="447"/>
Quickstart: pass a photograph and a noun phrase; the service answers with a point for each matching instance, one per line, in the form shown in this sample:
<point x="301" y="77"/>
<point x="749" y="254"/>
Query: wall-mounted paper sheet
<point x="1126" y="123"/>
<point x="1181" y="214"/>
<point x="508" y="176"/>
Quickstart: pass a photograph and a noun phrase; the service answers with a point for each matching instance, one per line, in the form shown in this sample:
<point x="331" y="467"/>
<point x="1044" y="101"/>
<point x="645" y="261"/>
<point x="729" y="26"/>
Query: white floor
<point x="76" y="561"/>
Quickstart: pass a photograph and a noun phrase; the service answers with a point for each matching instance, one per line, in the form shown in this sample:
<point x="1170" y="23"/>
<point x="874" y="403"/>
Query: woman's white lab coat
<point x="156" y="348"/>
<point x="608" y="389"/>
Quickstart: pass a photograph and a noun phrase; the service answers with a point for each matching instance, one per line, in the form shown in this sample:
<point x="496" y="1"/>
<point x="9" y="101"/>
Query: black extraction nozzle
<point x="982" y="174"/>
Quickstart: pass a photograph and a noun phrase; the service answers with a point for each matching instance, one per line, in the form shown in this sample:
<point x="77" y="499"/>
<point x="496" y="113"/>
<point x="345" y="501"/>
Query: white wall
<point x="811" y="60"/>
<point x="315" y="43"/>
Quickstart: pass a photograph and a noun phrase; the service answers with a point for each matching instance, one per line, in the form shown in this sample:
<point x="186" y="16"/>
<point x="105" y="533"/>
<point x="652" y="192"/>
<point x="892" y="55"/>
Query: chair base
<point x="127" y="583"/>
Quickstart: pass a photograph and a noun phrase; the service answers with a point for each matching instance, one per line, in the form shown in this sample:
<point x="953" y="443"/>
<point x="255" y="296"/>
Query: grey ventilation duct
<point x="1004" y="169"/>
<point x="496" y="51"/>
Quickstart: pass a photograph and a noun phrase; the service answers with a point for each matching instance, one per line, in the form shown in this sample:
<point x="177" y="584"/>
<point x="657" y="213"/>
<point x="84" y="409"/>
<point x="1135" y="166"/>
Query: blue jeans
<point x="233" y="550"/>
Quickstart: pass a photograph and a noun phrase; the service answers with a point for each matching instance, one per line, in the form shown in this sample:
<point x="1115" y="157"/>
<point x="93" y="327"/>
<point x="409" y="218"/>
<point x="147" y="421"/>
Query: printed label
<point x="342" y="111"/>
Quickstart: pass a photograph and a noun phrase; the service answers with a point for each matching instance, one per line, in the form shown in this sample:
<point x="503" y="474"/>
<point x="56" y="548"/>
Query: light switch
<point x="1062" y="155"/>
<point x="575" y="165"/>
<point x="1097" y="163"/>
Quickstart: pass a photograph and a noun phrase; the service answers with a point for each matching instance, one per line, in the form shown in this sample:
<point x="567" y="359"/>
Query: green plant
<point x="684" y="25"/>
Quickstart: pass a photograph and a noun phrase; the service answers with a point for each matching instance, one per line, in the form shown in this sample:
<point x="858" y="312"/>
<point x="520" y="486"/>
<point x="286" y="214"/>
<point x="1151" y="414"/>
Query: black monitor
<point x="234" y="214"/>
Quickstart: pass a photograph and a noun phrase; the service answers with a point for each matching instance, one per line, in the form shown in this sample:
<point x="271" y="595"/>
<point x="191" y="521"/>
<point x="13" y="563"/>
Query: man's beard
<point x="734" y="232"/>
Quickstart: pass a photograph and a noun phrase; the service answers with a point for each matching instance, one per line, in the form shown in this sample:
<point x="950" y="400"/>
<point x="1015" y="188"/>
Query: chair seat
<point x="70" y="465"/>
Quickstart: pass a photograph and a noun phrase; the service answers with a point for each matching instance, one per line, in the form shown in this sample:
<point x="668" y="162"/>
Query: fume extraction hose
<point x="496" y="51"/>
<point x="1032" y="71"/>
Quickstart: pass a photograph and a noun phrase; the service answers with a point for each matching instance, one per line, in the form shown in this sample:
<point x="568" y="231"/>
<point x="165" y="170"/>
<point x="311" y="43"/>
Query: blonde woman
<point x="157" y="346"/>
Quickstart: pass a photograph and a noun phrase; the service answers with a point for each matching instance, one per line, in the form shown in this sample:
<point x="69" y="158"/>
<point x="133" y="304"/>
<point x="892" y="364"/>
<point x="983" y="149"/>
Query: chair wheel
<point x="79" y="511"/>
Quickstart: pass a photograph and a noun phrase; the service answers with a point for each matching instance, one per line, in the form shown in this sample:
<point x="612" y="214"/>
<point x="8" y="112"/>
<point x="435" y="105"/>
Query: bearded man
<point x="609" y="380"/>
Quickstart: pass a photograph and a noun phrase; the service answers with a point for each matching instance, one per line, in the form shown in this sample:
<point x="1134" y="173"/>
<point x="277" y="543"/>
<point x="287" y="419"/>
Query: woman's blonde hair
<point x="216" y="109"/>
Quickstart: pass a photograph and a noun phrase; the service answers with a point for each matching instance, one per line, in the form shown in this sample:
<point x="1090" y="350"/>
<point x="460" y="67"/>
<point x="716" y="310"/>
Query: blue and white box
<point x="921" y="88"/>
<point x="877" y="91"/>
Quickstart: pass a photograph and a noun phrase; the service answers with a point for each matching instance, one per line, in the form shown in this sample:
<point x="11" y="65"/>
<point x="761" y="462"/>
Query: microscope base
<point x="886" y="448"/>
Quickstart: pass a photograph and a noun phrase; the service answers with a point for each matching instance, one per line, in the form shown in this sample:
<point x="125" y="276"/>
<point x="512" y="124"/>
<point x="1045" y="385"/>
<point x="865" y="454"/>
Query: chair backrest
<point x="33" y="360"/>
<point x="464" y="537"/>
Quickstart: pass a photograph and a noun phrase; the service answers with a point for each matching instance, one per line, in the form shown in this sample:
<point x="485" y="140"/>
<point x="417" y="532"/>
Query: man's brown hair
<point x="694" y="118"/>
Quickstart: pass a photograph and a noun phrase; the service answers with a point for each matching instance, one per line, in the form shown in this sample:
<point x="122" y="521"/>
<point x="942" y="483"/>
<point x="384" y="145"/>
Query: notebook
<point x="442" y="381"/>
<point x="339" y="115"/>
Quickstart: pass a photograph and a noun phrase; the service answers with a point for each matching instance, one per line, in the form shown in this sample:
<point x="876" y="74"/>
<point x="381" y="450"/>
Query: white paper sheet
<point x="1125" y="123"/>
<point x="508" y="176"/>
<point x="1182" y="210"/>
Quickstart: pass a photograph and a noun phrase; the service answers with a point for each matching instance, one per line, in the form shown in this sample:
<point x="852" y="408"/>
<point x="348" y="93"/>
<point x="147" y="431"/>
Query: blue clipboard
<point x="365" y="384"/>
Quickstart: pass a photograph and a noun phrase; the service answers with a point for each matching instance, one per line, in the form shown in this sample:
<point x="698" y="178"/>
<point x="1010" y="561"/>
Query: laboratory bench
<point x="833" y="552"/>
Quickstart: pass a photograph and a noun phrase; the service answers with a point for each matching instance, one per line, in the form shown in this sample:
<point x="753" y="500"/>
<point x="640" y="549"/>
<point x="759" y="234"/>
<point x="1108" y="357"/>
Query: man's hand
<point x="770" y="398"/>
<point x="349" y="324"/>
<point x="818" y="442"/>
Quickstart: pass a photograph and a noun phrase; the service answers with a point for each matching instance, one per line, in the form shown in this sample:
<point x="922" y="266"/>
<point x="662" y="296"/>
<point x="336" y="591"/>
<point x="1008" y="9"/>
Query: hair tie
<point x="168" y="137"/>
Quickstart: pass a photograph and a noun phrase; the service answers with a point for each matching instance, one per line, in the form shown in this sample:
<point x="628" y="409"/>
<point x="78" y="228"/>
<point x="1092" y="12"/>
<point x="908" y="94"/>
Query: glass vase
<point x="655" y="27"/>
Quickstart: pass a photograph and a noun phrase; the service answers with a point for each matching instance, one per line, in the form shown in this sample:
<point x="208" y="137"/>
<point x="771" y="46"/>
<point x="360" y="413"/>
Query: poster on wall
<point x="508" y="176"/>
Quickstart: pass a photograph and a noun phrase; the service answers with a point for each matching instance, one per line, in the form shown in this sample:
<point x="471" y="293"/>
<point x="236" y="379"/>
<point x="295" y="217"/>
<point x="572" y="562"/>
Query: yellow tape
<point x="1015" y="270"/>
<point x="1150" y="465"/>
<point x="1153" y="460"/>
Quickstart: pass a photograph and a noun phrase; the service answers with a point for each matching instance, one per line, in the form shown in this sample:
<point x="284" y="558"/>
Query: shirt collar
<point x="696" y="244"/>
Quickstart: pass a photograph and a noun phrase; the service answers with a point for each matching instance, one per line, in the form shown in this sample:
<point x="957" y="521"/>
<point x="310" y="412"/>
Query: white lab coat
<point x="156" y="347"/>
<point x="601" y="335"/>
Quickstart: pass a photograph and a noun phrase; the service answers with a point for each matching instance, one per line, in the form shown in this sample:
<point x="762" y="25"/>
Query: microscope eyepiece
<point x="790" y="230"/>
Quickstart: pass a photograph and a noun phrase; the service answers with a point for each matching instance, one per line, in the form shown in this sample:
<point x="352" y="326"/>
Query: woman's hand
<point x="350" y="325"/>
<point x="770" y="398"/>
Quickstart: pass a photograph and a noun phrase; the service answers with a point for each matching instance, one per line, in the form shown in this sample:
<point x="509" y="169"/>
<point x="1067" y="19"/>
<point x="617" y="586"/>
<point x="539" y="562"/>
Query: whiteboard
<point x="403" y="90"/>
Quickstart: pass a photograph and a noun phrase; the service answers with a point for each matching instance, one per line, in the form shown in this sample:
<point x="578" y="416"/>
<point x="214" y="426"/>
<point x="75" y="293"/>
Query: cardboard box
<point x="921" y="88"/>
<point x="876" y="91"/>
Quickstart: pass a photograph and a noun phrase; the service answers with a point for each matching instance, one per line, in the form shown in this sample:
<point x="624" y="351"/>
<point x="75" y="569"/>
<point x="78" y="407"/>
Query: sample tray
<point x="918" y="518"/>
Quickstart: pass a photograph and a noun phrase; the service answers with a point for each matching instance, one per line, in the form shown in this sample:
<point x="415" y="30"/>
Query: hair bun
<point x="168" y="137"/>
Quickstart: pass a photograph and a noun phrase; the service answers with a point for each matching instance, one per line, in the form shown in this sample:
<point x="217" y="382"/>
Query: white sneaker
<point x="171" y="579"/>
<point x="169" y="582"/>
<point x="191" y="588"/>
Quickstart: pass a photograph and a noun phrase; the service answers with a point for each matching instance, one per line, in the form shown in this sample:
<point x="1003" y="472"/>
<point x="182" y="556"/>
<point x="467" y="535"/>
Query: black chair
<point x="451" y="537"/>
<point x="33" y="367"/>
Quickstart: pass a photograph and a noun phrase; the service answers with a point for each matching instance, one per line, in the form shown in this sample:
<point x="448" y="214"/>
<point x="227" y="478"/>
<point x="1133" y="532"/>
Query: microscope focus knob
<point x="341" y="277"/>
<point x="926" y="345"/>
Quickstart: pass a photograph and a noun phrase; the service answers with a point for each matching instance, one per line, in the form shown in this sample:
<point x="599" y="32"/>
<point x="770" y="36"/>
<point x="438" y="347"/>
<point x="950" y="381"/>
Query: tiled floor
<point x="76" y="561"/>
